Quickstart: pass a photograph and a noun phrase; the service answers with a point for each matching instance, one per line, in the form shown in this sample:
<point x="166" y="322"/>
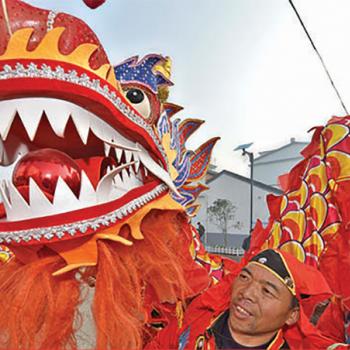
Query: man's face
<point x="260" y="304"/>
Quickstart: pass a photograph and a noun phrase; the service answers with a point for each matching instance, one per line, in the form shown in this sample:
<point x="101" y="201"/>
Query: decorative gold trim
<point x="278" y="337"/>
<point x="289" y="272"/>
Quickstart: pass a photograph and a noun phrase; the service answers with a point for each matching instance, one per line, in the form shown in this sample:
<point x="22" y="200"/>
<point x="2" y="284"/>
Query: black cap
<point x="273" y="261"/>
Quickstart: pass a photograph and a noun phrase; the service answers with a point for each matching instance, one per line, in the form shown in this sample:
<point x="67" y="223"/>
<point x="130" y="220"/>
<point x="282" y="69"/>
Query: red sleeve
<point x="165" y="339"/>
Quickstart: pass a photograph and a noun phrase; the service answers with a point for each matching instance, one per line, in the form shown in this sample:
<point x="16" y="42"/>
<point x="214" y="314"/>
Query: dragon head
<point x="87" y="148"/>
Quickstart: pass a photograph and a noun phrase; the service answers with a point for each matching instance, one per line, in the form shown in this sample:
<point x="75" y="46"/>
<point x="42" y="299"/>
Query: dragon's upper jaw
<point x="31" y="124"/>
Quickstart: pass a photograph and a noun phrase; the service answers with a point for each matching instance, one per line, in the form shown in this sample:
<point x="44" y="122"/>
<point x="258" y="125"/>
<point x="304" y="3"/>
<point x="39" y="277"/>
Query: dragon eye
<point x="135" y="96"/>
<point x="140" y="101"/>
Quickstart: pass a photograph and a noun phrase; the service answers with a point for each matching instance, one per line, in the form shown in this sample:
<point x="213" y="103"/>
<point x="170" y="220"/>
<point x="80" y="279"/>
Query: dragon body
<point x="311" y="219"/>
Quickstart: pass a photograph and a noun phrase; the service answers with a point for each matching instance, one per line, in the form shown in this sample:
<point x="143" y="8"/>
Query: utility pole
<point x="243" y="148"/>
<point x="251" y="160"/>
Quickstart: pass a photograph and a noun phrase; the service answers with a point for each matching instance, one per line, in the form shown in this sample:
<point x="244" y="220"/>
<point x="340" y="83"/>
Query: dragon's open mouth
<point x="83" y="161"/>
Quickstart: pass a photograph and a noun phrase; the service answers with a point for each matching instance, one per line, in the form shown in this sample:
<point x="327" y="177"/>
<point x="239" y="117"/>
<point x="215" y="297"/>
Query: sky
<point x="244" y="66"/>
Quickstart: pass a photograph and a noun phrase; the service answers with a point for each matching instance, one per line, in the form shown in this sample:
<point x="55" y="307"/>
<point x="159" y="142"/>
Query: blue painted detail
<point x="163" y="124"/>
<point x="191" y="210"/>
<point x="183" y="169"/>
<point x="134" y="71"/>
<point x="184" y="338"/>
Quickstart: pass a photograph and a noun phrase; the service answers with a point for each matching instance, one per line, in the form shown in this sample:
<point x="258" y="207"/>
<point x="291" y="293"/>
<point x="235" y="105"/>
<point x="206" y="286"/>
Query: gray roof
<point x="266" y="153"/>
<point x="247" y="180"/>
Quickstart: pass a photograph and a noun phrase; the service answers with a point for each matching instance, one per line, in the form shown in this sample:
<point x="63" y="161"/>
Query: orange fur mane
<point x="38" y="310"/>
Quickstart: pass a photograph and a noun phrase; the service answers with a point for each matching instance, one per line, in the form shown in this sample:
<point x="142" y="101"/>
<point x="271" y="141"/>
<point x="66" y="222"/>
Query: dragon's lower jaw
<point x="71" y="171"/>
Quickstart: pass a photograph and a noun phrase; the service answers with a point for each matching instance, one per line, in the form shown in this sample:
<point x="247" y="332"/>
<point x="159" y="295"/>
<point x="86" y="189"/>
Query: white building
<point x="272" y="164"/>
<point x="235" y="188"/>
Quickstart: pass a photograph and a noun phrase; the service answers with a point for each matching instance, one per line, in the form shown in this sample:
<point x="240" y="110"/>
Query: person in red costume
<point x="264" y="306"/>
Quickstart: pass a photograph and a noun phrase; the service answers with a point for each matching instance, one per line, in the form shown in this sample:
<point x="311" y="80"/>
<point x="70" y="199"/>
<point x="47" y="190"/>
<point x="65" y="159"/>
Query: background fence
<point x="225" y="250"/>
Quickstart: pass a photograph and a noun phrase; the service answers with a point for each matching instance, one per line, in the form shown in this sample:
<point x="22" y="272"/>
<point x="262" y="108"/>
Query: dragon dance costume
<point x="99" y="189"/>
<point x="311" y="219"/>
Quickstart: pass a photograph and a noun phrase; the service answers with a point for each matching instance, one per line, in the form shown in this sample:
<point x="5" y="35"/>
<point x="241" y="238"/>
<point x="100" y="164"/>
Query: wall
<point x="271" y="165"/>
<point x="238" y="192"/>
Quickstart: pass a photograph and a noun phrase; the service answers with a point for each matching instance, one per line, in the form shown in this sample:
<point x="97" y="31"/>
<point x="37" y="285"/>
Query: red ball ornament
<point x="94" y="3"/>
<point x="45" y="166"/>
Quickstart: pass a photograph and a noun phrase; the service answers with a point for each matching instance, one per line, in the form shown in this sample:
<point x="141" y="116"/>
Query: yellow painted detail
<point x="171" y="154"/>
<point x="338" y="131"/>
<point x="314" y="244"/>
<point x="343" y="160"/>
<point x="295" y="220"/>
<point x="284" y="203"/>
<point x="294" y="248"/>
<point x="330" y="230"/>
<point x="318" y="206"/>
<point x="319" y="172"/>
<point x="48" y="50"/>
<point x="276" y="234"/>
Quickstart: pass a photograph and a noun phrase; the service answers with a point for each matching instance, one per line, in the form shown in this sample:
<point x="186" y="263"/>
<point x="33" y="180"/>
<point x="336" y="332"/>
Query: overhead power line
<point x="319" y="56"/>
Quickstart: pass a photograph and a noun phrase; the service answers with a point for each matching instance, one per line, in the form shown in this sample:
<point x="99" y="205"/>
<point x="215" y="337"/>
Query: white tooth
<point x="156" y="170"/>
<point x="107" y="148"/>
<point x="146" y="171"/>
<point x="21" y="150"/>
<point x="19" y="207"/>
<point x="30" y="113"/>
<point x="107" y="134"/>
<point x="58" y="114"/>
<point x="137" y="166"/>
<point x="125" y="175"/>
<point x="82" y="123"/>
<point x="128" y="155"/>
<point x="131" y="182"/>
<point x="106" y="190"/>
<point x="64" y="197"/>
<point x="37" y="200"/>
<point x="10" y="160"/>
<point x="2" y="152"/>
<point x="118" y="153"/>
<point x="87" y="191"/>
<point x="5" y="199"/>
<point x="118" y="182"/>
<point x="8" y="112"/>
<point x="131" y="171"/>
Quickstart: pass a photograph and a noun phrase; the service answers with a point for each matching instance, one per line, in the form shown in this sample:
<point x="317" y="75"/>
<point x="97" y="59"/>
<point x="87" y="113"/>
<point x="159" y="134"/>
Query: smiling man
<point x="263" y="301"/>
<point x="259" y="307"/>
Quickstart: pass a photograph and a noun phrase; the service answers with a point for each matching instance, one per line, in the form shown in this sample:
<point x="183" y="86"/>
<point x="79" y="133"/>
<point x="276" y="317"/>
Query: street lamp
<point x="243" y="148"/>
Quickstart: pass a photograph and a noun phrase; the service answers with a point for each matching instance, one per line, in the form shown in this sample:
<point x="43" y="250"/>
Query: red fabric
<point x="295" y="175"/>
<point x="314" y="146"/>
<point x="309" y="281"/>
<point x="331" y="323"/>
<point x="283" y="182"/>
<point x="258" y="237"/>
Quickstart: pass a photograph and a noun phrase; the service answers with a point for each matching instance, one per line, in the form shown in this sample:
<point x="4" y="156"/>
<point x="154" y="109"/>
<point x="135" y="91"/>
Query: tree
<point x="222" y="214"/>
